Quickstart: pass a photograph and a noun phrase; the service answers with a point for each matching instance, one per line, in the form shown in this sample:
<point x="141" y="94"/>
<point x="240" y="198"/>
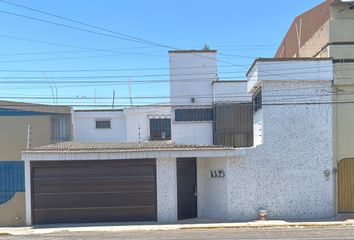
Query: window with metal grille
<point x="194" y="115"/>
<point x="160" y="129"/>
<point x="257" y="100"/>
<point x="103" y="124"/>
<point x="60" y="128"/>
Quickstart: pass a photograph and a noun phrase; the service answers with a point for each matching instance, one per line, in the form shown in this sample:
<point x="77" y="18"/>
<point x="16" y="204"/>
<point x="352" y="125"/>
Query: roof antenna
<point x="51" y="87"/>
<point x="114" y="95"/>
<point x="206" y="47"/>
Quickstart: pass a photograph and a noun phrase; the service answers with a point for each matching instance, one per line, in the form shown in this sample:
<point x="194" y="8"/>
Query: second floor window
<point x="103" y="124"/>
<point x="257" y="100"/>
<point x="60" y="129"/>
<point x="160" y="129"/>
<point x="194" y="115"/>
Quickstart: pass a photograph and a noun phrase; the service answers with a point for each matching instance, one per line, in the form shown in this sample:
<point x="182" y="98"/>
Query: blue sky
<point x="239" y="30"/>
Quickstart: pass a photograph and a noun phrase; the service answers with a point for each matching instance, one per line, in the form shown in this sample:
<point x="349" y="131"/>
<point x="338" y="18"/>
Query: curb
<point x="5" y="234"/>
<point x="129" y="228"/>
<point x="291" y="225"/>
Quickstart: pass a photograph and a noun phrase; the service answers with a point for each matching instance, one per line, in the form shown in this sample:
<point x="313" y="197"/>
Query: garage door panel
<point x="78" y="163"/>
<point x="83" y="200"/>
<point x="50" y="216"/>
<point x="88" y="171"/>
<point x="93" y="184"/>
<point x="94" y="191"/>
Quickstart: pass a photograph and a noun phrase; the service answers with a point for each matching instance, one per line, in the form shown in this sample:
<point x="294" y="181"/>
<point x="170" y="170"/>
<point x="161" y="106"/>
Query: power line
<point x="123" y="36"/>
<point x="108" y="70"/>
<point x="183" y="105"/>
<point x="214" y="96"/>
<point x="220" y="52"/>
<point x="100" y="33"/>
<point x="329" y="69"/>
<point x="43" y="42"/>
<point x="115" y="32"/>
<point x="86" y="48"/>
<point x="158" y="68"/>
<point x="223" y="96"/>
<point x="316" y="88"/>
<point x="62" y="45"/>
<point x="72" y="51"/>
<point x="59" y="44"/>
<point x="211" y="75"/>
<point x="81" y="57"/>
<point x="234" y="55"/>
<point x="130" y="38"/>
<point x="70" y="27"/>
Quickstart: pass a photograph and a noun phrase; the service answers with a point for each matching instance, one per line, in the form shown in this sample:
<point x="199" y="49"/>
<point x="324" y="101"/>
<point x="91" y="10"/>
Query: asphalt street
<point x="340" y="233"/>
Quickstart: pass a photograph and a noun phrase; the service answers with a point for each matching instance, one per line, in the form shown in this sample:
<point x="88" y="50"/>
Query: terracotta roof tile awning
<point x="70" y="147"/>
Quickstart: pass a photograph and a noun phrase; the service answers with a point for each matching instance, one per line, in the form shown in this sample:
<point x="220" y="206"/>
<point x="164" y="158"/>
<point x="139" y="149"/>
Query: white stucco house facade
<point x="119" y="126"/>
<point x="290" y="171"/>
<point x="287" y="171"/>
<point x="194" y="91"/>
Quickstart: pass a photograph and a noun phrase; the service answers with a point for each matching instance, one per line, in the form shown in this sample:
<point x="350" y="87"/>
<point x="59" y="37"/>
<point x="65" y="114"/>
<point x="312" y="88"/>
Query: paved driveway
<point x="342" y="233"/>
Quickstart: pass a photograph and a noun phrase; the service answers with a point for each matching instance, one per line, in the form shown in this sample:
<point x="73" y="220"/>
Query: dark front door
<point x="186" y="188"/>
<point x="93" y="191"/>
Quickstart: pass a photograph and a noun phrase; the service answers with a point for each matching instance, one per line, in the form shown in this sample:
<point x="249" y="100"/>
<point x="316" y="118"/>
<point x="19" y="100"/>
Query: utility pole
<point x="29" y="133"/>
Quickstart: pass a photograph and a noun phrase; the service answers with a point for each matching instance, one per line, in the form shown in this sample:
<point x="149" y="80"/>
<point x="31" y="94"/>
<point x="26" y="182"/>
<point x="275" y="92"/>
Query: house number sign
<point x="217" y="173"/>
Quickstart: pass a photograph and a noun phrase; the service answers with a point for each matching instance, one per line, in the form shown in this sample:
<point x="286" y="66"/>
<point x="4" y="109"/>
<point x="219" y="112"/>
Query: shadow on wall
<point x="13" y="212"/>
<point x="12" y="196"/>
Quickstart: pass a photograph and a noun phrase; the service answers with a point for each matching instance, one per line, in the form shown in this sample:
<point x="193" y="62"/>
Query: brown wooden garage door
<point x="93" y="191"/>
<point x="346" y="186"/>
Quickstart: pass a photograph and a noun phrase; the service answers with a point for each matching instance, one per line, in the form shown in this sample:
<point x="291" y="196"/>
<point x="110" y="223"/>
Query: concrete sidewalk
<point x="184" y="225"/>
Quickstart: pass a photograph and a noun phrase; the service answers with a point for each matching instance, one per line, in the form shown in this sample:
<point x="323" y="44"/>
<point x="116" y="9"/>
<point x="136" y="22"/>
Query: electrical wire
<point x="210" y="75"/>
<point x="157" y="69"/>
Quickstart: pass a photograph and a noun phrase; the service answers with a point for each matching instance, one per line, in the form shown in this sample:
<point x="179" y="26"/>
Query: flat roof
<point x="229" y="81"/>
<point x="192" y="51"/>
<point x="150" y="146"/>
<point x="340" y="2"/>
<point x="35" y="107"/>
<point x="98" y="110"/>
<point x="285" y="60"/>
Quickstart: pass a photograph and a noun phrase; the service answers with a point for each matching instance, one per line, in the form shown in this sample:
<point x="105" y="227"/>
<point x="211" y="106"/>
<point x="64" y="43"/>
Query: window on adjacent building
<point x="103" y="124"/>
<point x="160" y="129"/>
<point x="257" y="100"/>
<point x="194" y="115"/>
<point x="60" y="129"/>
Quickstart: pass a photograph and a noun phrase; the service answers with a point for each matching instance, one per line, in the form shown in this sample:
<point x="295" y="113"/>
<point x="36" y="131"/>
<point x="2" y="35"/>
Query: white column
<point x="28" y="193"/>
<point x="166" y="177"/>
<point x="201" y="172"/>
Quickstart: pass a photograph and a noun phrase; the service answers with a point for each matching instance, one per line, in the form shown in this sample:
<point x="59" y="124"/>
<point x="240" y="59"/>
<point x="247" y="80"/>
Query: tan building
<point x="23" y="126"/>
<point x="327" y="30"/>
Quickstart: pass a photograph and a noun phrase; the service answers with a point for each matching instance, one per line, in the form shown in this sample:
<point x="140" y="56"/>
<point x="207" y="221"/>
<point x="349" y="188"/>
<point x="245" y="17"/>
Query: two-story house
<point x="24" y="126"/>
<point x="202" y="109"/>
<point x="286" y="170"/>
